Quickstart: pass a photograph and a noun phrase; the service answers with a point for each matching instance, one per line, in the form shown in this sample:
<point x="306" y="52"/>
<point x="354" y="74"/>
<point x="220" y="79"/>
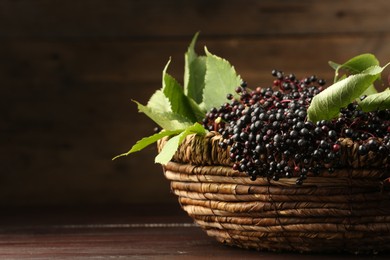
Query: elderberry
<point x="268" y="135"/>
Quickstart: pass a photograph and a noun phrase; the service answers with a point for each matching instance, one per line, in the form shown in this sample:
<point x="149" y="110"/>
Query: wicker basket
<point x="348" y="210"/>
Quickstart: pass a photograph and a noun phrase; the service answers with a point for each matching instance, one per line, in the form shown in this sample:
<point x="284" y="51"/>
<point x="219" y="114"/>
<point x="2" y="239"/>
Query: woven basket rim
<point x="204" y="150"/>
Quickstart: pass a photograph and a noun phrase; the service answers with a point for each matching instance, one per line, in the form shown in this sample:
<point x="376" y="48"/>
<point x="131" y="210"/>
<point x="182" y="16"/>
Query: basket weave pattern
<point x="348" y="210"/>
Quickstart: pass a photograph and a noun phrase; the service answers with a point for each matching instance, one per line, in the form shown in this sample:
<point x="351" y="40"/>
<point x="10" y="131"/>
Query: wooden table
<point x="134" y="232"/>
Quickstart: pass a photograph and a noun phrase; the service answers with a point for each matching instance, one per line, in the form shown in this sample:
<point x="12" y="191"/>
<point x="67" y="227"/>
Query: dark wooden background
<point x="68" y="70"/>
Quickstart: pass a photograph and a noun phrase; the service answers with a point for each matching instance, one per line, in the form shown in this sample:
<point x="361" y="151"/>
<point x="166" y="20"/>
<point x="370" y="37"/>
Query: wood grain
<point x="62" y="66"/>
<point x="175" y="18"/>
<point x="93" y="233"/>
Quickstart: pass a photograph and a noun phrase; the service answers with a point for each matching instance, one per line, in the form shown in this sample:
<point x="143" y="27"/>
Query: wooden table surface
<point x="134" y="232"/>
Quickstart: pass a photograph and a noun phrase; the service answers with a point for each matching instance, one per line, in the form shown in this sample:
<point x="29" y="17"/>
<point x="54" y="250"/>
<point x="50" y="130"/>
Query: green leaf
<point x="180" y="103"/>
<point x="198" y="112"/>
<point x="194" y="73"/>
<point x="197" y="79"/>
<point x="190" y="55"/>
<point x="172" y="144"/>
<point x="327" y="104"/>
<point x="360" y="63"/>
<point x="355" y="65"/>
<point x="146" y="141"/>
<point x="334" y="65"/>
<point x="377" y="101"/>
<point x="169" y="149"/>
<point x="221" y="79"/>
<point x="166" y="120"/>
<point x="369" y="91"/>
<point x="159" y="102"/>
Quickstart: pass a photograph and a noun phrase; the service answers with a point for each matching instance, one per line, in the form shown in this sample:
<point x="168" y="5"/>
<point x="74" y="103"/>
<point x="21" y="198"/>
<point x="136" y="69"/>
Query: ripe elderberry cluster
<point x="370" y="129"/>
<point x="269" y="135"/>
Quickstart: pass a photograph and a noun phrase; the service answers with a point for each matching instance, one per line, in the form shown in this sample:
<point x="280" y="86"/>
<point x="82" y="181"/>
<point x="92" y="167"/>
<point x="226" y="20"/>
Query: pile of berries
<point x="268" y="133"/>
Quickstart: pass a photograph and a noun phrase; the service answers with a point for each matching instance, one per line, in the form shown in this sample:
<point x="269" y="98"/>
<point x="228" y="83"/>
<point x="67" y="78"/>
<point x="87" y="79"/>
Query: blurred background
<point x="69" y="70"/>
